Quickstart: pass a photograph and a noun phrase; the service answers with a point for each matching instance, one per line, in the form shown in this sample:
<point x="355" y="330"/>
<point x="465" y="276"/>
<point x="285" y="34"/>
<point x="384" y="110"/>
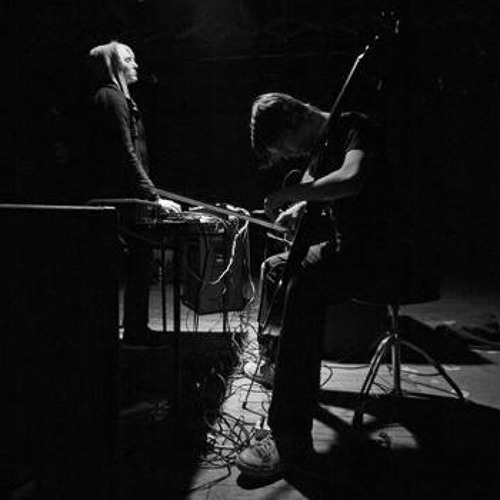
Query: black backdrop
<point x="202" y="63"/>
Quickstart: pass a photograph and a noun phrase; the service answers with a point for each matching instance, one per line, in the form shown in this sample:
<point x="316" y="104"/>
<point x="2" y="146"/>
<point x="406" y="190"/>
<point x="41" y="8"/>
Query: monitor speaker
<point x="207" y="255"/>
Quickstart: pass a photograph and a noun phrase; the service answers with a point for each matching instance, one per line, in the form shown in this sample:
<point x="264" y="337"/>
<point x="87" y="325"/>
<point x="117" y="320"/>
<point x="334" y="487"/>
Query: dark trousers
<point x="270" y="306"/>
<point x="139" y="265"/>
<point x="324" y="278"/>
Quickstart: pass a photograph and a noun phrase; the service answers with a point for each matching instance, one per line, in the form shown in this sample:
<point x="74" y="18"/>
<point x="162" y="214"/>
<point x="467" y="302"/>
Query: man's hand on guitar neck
<point x="290" y="217"/>
<point x="289" y="194"/>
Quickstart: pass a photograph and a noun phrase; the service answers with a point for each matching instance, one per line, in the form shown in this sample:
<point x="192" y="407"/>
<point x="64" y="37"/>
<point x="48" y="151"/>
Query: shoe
<point x="271" y="457"/>
<point x="149" y="339"/>
<point x="264" y="375"/>
<point x="262" y="459"/>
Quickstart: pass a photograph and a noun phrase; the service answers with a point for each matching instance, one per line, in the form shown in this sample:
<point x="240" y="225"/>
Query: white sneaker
<point x="261" y="459"/>
<point x="270" y="457"/>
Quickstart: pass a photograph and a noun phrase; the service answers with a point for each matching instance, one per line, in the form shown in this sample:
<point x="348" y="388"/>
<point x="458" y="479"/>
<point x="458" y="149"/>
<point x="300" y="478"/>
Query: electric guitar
<point x="312" y="211"/>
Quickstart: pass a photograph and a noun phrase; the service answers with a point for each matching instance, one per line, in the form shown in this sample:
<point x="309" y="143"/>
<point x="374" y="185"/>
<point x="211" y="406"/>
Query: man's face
<point x="128" y="64"/>
<point x="292" y="143"/>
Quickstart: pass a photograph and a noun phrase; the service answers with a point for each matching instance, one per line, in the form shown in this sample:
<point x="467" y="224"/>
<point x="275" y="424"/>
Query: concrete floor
<point x="428" y="445"/>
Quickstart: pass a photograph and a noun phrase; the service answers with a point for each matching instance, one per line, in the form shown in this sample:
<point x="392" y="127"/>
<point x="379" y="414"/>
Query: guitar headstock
<point x="390" y="22"/>
<point x="384" y="27"/>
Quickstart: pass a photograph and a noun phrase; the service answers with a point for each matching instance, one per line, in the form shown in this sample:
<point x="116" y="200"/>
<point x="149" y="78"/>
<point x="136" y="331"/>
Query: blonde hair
<point x="105" y="64"/>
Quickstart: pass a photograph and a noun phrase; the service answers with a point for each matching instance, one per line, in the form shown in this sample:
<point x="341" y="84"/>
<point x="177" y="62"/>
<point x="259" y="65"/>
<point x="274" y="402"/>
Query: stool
<point x="392" y="343"/>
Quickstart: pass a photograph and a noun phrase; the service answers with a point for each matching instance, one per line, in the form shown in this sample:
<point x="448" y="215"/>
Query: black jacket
<point x="118" y="163"/>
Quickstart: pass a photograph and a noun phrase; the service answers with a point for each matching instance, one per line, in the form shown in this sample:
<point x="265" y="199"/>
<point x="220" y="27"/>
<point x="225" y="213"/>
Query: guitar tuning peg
<point x="397" y="25"/>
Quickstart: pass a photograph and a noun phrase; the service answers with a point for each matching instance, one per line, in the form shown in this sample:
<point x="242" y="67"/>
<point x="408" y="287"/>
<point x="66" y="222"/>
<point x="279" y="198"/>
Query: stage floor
<point x="428" y="446"/>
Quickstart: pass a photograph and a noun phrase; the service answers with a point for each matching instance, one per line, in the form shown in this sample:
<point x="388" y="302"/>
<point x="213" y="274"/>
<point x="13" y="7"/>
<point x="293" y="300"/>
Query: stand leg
<point x="396" y="365"/>
<point x="393" y="310"/>
<point x="383" y="347"/>
<point x="163" y="288"/>
<point x="252" y="382"/>
<point x="225" y="325"/>
<point x="177" y="326"/>
<point x="393" y="342"/>
<point x="436" y="365"/>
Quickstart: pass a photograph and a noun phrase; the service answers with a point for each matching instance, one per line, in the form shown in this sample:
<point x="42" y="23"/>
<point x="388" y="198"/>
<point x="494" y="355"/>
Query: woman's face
<point x="127" y="64"/>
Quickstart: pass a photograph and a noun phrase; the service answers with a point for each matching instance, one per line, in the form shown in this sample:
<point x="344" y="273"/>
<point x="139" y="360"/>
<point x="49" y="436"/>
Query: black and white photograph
<point x="250" y="250"/>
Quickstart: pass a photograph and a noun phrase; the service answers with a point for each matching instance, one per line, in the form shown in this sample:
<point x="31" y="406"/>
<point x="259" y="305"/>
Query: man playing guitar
<point x="351" y="177"/>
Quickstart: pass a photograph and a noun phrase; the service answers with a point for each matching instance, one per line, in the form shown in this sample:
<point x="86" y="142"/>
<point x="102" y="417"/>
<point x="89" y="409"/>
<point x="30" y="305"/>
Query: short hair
<point x="272" y="115"/>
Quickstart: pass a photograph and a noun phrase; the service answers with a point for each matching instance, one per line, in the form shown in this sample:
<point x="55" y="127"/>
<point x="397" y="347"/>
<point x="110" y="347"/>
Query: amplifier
<point x="207" y="252"/>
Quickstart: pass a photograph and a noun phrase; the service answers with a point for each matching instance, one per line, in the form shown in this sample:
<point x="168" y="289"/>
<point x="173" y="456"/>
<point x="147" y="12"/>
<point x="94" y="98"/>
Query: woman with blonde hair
<point x="118" y="168"/>
<point x="119" y="139"/>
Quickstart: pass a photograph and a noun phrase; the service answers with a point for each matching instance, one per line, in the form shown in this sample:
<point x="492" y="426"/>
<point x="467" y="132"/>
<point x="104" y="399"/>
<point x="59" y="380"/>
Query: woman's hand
<point x="169" y="206"/>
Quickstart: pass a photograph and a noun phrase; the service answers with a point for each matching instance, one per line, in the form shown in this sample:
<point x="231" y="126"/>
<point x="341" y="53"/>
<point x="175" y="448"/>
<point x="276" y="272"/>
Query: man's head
<point x="282" y="126"/>
<point x="114" y="62"/>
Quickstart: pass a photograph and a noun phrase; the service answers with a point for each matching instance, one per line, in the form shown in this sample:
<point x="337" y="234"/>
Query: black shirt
<point x="117" y="148"/>
<point x="368" y="224"/>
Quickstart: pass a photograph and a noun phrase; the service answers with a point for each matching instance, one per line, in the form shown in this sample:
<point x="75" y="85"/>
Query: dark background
<point x="434" y="86"/>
